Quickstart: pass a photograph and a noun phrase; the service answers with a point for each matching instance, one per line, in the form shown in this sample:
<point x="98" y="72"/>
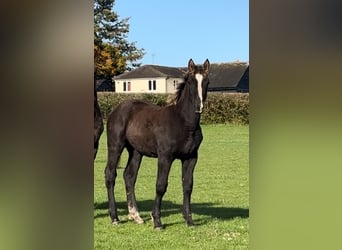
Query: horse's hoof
<point x="137" y="219"/>
<point x="191" y="225"/>
<point x="158" y="228"/>
<point x="115" y="222"/>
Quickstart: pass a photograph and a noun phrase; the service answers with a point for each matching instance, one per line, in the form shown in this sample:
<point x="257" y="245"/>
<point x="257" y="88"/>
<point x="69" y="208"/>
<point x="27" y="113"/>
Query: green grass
<point x="220" y="197"/>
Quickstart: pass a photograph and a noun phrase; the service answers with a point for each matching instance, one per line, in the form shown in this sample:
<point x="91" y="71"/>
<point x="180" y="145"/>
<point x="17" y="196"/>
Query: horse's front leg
<point x="188" y="166"/>
<point x="164" y="165"/>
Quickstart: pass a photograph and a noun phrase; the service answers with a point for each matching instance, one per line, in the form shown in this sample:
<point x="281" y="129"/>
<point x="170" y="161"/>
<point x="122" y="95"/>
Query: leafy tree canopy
<point x="113" y="53"/>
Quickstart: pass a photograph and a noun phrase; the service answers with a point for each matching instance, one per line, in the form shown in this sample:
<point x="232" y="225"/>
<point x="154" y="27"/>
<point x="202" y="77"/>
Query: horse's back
<point x="140" y="124"/>
<point x="127" y="109"/>
<point x="129" y="116"/>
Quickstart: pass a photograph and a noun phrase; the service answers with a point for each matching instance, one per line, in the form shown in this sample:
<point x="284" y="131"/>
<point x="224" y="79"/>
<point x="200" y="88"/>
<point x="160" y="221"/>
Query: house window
<point x="152" y="85"/>
<point x="175" y="83"/>
<point x="126" y="86"/>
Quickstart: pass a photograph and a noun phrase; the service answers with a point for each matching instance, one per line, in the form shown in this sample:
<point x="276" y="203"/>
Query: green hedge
<point x="226" y="108"/>
<point x="218" y="108"/>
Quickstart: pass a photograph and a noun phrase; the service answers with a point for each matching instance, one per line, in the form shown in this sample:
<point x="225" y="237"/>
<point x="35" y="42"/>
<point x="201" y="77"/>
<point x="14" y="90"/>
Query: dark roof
<point x="243" y="85"/>
<point x="232" y="76"/>
<point x="104" y="85"/>
<point x="147" y="71"/>
<point x="227" y="75"/>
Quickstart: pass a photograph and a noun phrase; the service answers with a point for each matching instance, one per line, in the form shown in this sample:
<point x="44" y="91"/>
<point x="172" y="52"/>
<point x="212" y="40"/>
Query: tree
<point x="113" y="53"/>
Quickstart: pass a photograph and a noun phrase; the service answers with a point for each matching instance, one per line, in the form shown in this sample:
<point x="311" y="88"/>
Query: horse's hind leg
<point x="130" y="176"/>
<point x="114" y="152"/>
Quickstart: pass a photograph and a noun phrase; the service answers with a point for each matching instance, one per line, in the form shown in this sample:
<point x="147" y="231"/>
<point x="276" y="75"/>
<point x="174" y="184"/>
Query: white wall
<point x="140" y="85"/>
<point x="171" y="84"/>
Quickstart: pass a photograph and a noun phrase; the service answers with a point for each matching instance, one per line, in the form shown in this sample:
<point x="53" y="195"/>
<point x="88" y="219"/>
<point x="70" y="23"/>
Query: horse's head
<point x="199" y="81"/>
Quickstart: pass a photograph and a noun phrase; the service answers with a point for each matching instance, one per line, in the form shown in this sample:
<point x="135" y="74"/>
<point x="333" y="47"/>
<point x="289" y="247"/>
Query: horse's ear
<point x="206" y="65"/>
<point x="191" y="66"/>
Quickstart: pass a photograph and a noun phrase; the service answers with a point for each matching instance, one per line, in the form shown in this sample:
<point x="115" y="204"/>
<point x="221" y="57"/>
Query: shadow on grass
<point x="211" y="210"/>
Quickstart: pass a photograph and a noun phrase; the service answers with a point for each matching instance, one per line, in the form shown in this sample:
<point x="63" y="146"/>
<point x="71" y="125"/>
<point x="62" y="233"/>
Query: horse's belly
<point x="143" y="142"/>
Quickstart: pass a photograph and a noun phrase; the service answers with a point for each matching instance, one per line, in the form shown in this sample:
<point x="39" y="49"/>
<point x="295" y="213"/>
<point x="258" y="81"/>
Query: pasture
<point x="220" y="198"/>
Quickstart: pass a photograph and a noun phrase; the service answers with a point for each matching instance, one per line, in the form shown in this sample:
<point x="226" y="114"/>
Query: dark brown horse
<point x="168" y="133"/>
<point x="98" y="123"/>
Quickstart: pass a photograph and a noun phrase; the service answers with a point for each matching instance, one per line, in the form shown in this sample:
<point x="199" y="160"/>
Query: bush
<point x="218" y="108"/>
<point x="226" y="108"/>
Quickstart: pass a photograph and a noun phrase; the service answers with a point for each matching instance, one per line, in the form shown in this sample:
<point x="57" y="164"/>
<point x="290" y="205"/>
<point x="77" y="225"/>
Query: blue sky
<point x="171" y="32"/>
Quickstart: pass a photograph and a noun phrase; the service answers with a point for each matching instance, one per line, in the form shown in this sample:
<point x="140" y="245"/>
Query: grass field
<point x="220" y="198"/>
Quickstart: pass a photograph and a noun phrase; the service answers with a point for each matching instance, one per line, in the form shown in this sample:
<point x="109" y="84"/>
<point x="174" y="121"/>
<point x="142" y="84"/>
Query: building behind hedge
<point x="149" y="79"/>
<point x="224" y="77"/>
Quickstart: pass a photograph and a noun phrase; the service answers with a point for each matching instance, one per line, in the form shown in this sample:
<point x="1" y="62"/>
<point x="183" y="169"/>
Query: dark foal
<point x="98" y="124"/>
<point x="168" y="133"/>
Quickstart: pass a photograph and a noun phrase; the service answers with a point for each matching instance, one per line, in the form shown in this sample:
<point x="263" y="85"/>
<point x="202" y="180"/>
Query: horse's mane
<point x="173" y="99"/>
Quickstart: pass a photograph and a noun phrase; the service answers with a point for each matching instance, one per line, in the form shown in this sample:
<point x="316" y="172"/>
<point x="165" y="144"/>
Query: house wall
<point x="171" y="84"/>
<point x="141" y="85"/>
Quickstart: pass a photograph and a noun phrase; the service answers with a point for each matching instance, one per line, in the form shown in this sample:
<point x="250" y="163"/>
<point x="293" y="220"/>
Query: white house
<point x="149" y="79"/>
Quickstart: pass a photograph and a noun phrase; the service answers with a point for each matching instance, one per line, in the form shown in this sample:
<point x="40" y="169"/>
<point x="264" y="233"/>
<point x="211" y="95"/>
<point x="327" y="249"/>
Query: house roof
<point x="227" y="75"/>
<point x="104" y="85"/>
<point x="147" y="71"/>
